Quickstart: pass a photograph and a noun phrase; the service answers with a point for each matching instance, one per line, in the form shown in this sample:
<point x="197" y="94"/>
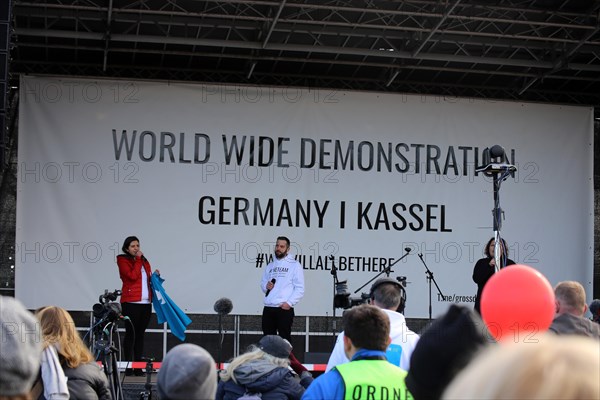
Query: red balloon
<point x="517" y="304"/>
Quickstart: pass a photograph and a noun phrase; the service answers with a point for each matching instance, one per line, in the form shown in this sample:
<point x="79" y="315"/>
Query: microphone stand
<point x="386" y="271"/>
<point x="429" y="279"/>
<point x="221" y="337"/>
<point x="499" y="172"/>
<point x="500" y="262"/>
<point x="335" y="282"/>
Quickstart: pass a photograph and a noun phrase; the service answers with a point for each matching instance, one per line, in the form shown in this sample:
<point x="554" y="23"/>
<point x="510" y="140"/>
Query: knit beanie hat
<point x="595" y="310"/>
<point x="20" y="348"/>
<point x="275" y="346"/>
<point x="443" y="350"/>
<point x="188" y="372"/>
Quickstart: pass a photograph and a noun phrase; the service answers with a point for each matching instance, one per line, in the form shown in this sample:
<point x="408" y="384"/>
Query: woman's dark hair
<point x="504" y="248"/>
<point x="127" y="242"/>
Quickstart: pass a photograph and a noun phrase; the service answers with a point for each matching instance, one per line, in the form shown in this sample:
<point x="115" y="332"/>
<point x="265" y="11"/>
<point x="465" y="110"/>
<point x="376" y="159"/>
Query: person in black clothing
<point x="595" y="310"/>
<point x="486" y="267"/>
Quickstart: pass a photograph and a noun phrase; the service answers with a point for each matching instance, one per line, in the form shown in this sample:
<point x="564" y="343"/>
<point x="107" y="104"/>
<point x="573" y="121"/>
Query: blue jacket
<point x="330" y="385"/>
<point x="167" y="310"/>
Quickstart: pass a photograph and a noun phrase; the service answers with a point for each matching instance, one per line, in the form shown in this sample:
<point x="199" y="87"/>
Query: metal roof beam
<point x="434" y="30"/>
<point x="301" y="48"/>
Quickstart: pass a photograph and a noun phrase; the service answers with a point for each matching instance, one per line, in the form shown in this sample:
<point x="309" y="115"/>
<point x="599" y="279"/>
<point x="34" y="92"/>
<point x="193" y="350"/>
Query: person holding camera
<point x="136" y="299"/>
<point x="369" y="374"/>
<point x="386" y="294"/>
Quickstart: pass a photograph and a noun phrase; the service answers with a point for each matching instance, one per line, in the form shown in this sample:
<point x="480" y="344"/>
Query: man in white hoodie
<point x="283" y="284"/>
<point x="386" y="293"/>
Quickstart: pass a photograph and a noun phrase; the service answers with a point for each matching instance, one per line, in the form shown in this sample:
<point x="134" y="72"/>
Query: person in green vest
<point x="368" y="375"/>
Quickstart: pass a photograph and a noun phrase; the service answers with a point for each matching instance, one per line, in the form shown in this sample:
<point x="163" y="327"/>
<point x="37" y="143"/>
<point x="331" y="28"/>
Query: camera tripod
<point x="146" y="394"/>
<point x="105" y="347"/>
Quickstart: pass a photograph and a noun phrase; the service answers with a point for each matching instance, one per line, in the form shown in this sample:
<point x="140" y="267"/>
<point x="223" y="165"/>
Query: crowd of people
<point x="42" y="356"/>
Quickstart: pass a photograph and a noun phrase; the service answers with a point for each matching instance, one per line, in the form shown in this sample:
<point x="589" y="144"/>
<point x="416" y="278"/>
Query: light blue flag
<point x="167" y="310"/>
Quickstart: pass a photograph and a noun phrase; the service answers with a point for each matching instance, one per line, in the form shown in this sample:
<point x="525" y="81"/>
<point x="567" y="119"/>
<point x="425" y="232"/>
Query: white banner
<point x="208" y="176"/>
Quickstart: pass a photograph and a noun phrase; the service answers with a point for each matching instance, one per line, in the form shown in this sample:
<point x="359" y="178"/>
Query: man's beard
<point x="279" y="255"/>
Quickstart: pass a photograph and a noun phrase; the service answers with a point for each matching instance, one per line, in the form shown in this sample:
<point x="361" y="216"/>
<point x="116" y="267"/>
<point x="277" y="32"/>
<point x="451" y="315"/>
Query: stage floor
<point x="133" y="386"/>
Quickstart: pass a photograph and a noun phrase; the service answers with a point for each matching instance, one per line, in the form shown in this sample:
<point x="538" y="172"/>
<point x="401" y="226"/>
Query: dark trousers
<point x="277" y="321"/>
<point x="139" y="317"/>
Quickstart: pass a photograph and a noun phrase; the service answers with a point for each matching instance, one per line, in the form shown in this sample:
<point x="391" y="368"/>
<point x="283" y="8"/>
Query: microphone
<point x="223" y="306"/>
<point x="494" y="162"/>
<point x="269" y="290"/>
<point x="496" y="151"/>
<point x="333" y="268"/>
<point x="407" y="249"/>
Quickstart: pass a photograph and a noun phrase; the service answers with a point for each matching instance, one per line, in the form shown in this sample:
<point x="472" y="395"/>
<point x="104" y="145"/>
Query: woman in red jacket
<point x="136" y="298"/>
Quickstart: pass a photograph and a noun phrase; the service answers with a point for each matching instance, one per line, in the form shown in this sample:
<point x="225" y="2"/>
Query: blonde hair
<point x="58" y="329"/>
<point x="571" y="296"/>
<point x="254" y="353"/>
<point x="556" y="367"/>
<point x="26" y="396"/>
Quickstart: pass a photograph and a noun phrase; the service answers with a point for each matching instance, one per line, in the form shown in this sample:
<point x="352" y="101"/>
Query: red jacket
<point x="130" y="270"/>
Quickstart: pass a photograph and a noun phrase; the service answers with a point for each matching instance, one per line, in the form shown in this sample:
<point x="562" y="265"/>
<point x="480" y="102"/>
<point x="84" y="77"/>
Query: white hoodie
<point x="289" y="282"/>
<point x="403" y="343"/>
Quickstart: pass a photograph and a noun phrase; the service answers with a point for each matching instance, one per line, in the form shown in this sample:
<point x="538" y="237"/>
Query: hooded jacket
<point x="399" y="351"/>
<point x="260" y="376"/>
<point x="289" y="282"/>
